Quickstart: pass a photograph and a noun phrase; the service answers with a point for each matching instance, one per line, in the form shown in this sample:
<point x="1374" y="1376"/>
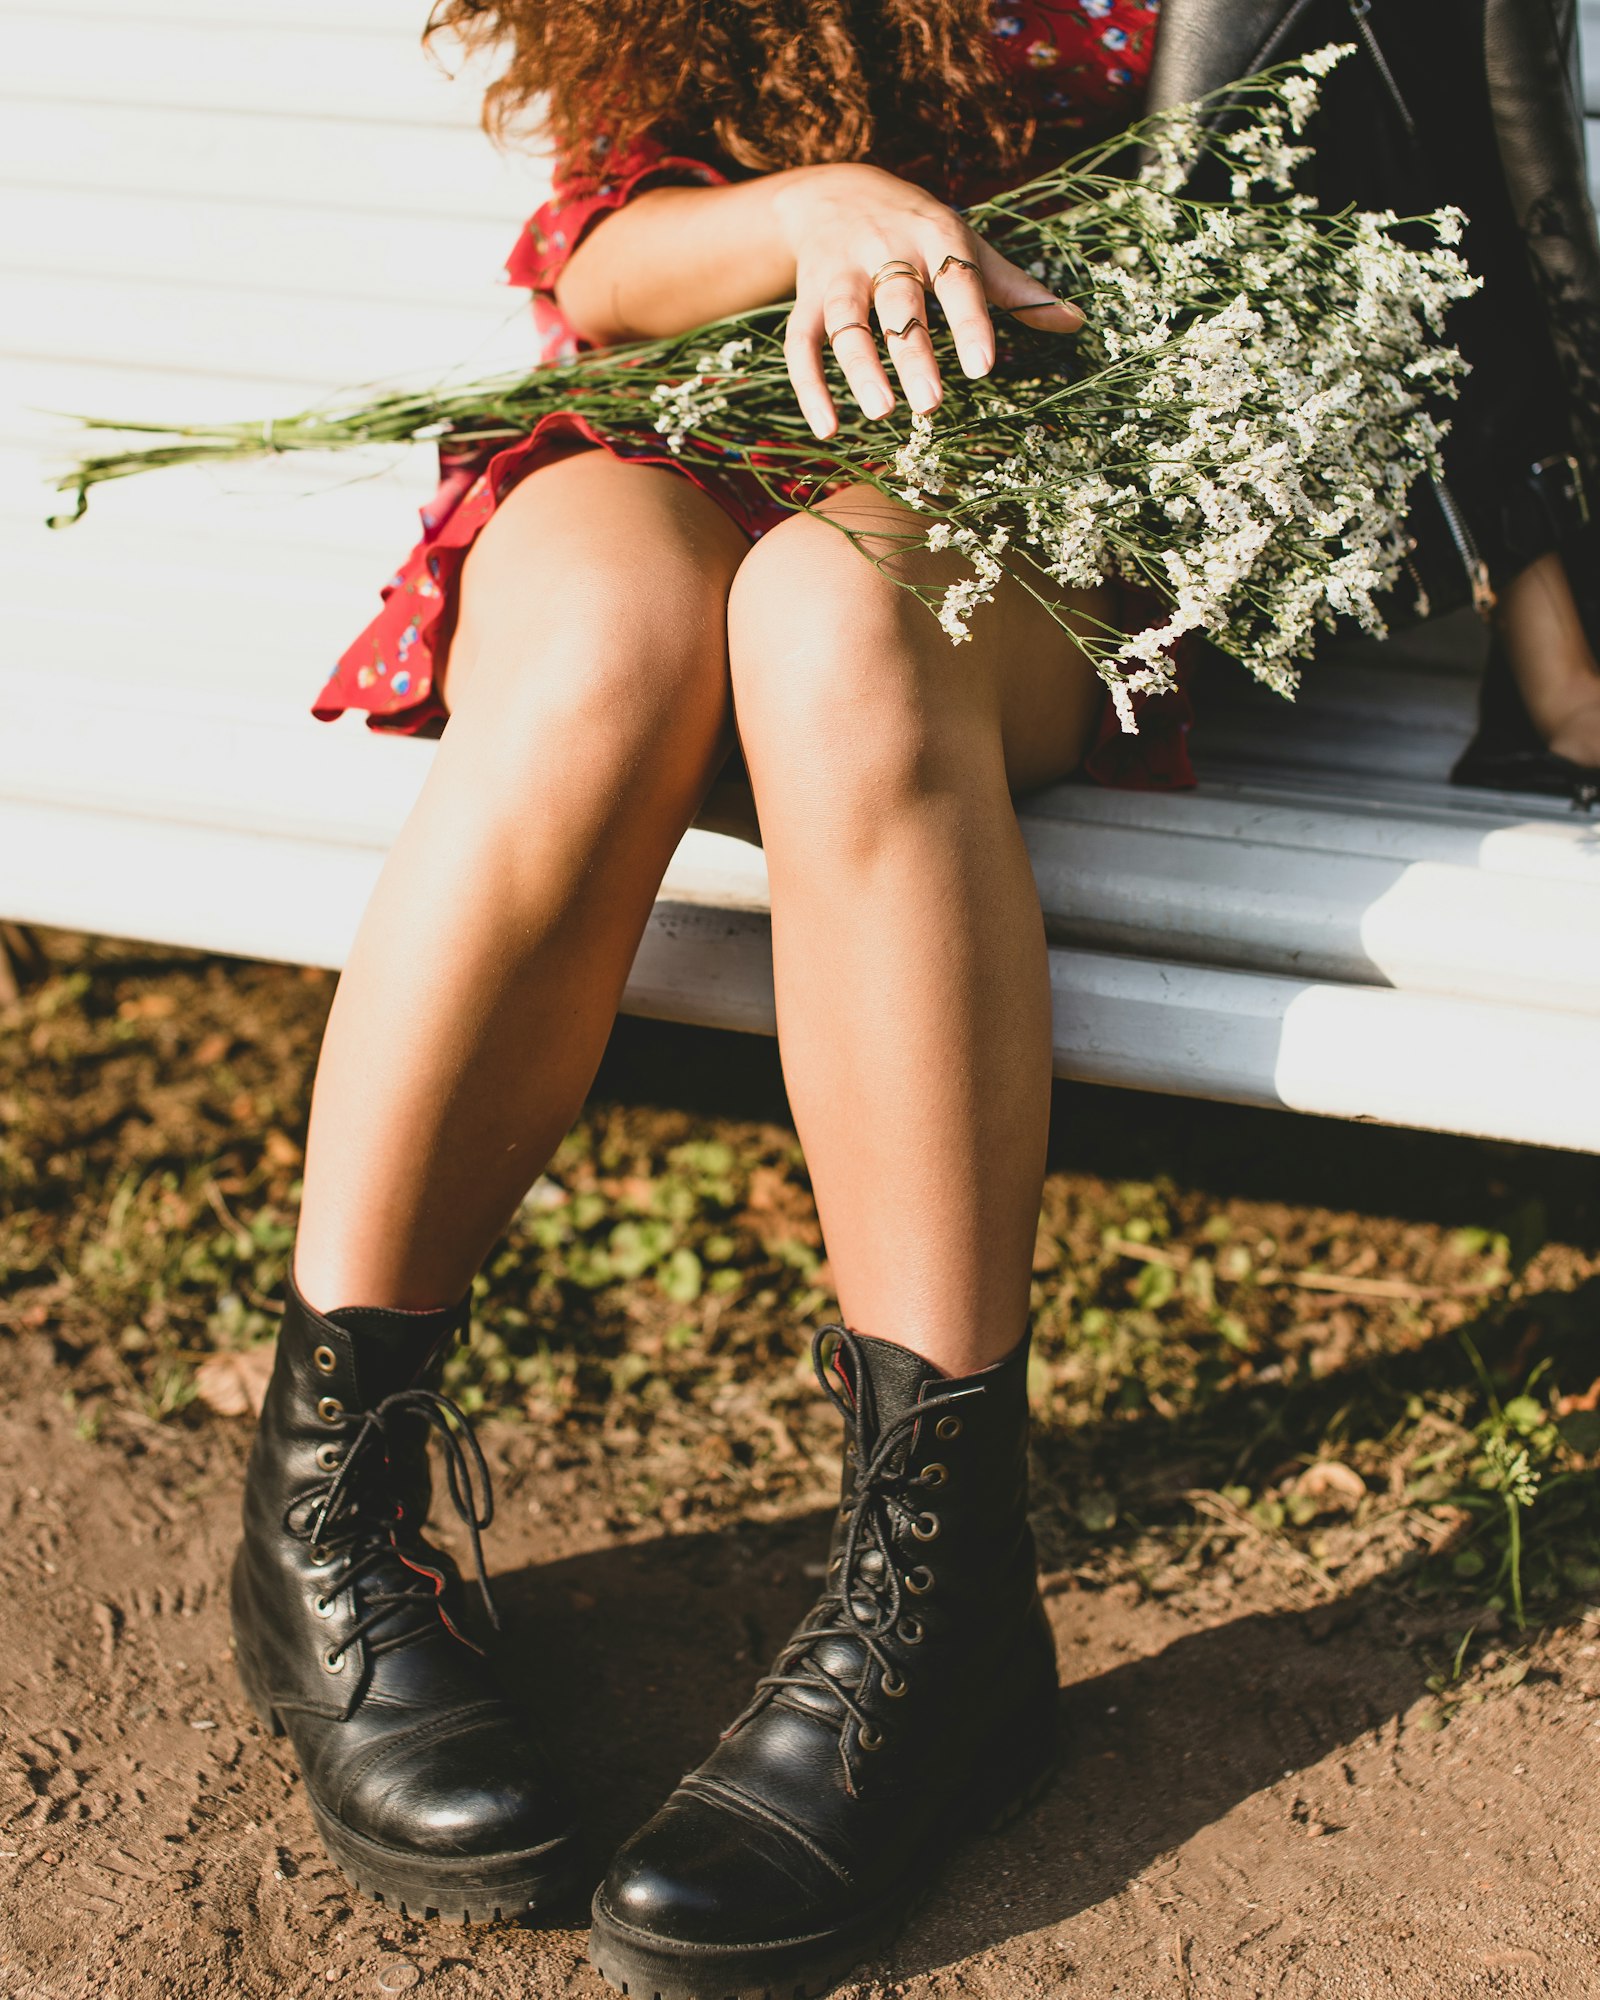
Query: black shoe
<point x="915" y="1702"/>
<point x="427" y="1787"/>
<point x="1509" y="755"/>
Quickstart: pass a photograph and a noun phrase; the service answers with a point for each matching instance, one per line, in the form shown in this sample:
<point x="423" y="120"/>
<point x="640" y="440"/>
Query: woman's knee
<point x="836" y="666"/>
<point x="596" y="595"/>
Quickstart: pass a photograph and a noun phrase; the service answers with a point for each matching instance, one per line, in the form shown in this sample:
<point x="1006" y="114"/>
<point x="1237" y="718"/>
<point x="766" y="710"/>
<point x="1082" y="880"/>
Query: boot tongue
<point x="885" y="1382"/>
<point x="893" y="1380"/>
<point x="392" y="1348"/>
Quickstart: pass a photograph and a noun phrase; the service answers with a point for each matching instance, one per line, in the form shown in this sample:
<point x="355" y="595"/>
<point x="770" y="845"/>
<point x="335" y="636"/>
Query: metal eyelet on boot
<point x="919" y="1581"/>
<point x="892" y="1684"/>
<point x="324" y="1607"/>
<point x="909" y="1631"/>
<point x="329" y="1458"/>
<point x="324" y="1360"/>
<point x="869" y="1738"/>
<point x="333" y="1660"/>
<point x="319" y="1557"/>
<point x="330" y="1409"/>
<point x="933" y="1475"/>
<point x="947" y="1428"/>
<point x="925" y="1527"/>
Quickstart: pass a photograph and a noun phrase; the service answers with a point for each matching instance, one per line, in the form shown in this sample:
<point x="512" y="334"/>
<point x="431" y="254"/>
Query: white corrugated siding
<point x="226" y="208"/>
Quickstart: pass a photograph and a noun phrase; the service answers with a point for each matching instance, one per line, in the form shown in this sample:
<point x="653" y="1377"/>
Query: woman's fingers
<point x="847" y="315"/>
<point x="843" y="325"/>
<point x="1011" y="290"/>
<point x="900" y="301"/>
<point x="967" y="282"/>
<point x="802" y="353"/>
<point x="958" y="286"/>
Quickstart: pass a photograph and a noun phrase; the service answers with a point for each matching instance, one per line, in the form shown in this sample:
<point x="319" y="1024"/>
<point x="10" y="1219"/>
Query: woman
<point x="600" y="630"/>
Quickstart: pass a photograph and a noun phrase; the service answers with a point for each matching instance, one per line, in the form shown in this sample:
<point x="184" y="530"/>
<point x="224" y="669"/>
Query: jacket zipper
<point x="1360" y="11"/>
<point x="1466" y="546"/>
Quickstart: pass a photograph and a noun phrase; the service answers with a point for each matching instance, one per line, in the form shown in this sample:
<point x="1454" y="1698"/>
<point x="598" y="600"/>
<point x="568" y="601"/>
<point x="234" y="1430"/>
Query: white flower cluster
<point x="916" y="463"/>
<point x="1247" y="413"/>
<point x="960" y="599"/>
<point x="692" y="404"/>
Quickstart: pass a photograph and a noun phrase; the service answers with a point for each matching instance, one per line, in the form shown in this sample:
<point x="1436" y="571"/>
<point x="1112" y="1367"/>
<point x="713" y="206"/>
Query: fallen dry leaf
<point x="235" y="1385"/>
<point x="148" y="1007"/>
<point x="1331" y="1486"/>
<point x="281" y="1150"/>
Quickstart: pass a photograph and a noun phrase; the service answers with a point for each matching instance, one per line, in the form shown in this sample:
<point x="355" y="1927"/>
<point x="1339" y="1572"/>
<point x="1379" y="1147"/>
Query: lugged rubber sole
<point x="650" y="1968"/>
<point x="520" y="1886"/>
<point x="475" y="1889"/>
<point x="797" y="1969"/>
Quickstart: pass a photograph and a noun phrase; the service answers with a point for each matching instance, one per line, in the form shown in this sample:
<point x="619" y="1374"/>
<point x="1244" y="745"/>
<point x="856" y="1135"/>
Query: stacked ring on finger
<point x="897" y="267"/>
<point x="853" y="326"/>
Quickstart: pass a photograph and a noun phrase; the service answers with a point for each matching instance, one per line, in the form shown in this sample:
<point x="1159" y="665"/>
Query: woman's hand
<point x="866" y="243"/>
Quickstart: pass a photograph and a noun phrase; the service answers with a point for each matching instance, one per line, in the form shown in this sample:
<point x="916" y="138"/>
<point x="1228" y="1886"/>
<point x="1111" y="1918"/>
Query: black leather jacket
<point x="1476" y="102"/>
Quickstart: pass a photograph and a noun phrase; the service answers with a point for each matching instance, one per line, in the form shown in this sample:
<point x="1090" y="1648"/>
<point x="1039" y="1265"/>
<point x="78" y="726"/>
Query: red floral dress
<point x="1082" y="65"/>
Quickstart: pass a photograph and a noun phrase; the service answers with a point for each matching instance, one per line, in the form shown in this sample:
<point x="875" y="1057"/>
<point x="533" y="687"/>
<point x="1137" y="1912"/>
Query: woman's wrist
<point x="676" y="256"/>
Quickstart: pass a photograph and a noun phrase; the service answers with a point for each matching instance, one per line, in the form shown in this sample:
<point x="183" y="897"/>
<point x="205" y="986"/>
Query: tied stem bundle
<point x="1236" y="430"/>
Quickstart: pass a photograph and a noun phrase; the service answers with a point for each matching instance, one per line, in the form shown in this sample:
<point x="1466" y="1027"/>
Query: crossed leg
<point x="1551" y="658"/>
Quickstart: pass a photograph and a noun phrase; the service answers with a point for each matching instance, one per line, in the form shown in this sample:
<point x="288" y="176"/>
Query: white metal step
<point x="1347" y="1051"/>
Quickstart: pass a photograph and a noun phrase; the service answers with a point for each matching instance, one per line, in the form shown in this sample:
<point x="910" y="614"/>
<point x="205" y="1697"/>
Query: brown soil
<point x="1272" y="1785"/>
<point x="1252" y="1803"/>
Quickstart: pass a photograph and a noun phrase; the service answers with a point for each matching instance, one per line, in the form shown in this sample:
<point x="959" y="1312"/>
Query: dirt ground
<point x="1311" y="1750"/>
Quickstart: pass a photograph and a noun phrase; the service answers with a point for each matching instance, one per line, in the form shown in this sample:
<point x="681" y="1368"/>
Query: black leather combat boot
<point x="1507" y="754"/>
<point x="427" y="1787"/>
<point x="914" y="1702"/>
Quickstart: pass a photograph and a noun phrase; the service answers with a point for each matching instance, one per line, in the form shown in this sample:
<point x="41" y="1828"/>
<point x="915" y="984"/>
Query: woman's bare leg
<point x="1551" y="658"/>
<point x="589" y="710"/>
<point x="908" y="945"/>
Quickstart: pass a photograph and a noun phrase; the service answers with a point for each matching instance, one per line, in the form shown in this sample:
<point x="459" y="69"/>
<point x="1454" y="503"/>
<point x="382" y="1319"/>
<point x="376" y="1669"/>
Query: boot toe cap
<point x="700" y="1874"/>
<point x="471" y="1792"/>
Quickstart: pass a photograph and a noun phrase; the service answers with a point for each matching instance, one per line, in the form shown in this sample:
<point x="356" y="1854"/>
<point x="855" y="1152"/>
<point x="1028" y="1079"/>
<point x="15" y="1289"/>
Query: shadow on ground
<point x="645" y="1652"/>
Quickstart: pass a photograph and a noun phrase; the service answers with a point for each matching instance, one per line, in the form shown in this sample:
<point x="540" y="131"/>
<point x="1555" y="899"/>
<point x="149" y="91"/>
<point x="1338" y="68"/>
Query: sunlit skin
<point x="617" y="635"/>
<point x="1552" y="661"/>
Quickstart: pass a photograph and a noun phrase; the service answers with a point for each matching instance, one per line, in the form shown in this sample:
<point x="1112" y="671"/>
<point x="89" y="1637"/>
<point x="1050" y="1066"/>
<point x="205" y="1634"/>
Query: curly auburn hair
<point x="772" y="83"/>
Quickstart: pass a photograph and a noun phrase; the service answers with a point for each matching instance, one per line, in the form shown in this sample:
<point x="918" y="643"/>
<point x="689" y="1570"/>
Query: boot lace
<point x="864" y="1599"/>
<point x="354" y="1524"/>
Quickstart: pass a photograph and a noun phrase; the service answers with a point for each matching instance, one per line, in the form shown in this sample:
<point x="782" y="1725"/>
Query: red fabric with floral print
<point x="1083" y="65"/>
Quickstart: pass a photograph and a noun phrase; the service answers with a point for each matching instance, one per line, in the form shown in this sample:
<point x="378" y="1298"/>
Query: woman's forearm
<point x="675" y="257"/>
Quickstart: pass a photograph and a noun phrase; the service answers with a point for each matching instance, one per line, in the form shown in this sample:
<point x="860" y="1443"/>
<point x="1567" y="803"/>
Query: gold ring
<point x="897" y="267"/>
<point x="900" y="332"/>
<point x="852" y="326"/>
<point x="961" y="264"/>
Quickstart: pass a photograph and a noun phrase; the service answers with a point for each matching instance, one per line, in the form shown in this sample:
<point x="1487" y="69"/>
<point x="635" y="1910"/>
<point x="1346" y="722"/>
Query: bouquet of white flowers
<point x="1236" y="429"/>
